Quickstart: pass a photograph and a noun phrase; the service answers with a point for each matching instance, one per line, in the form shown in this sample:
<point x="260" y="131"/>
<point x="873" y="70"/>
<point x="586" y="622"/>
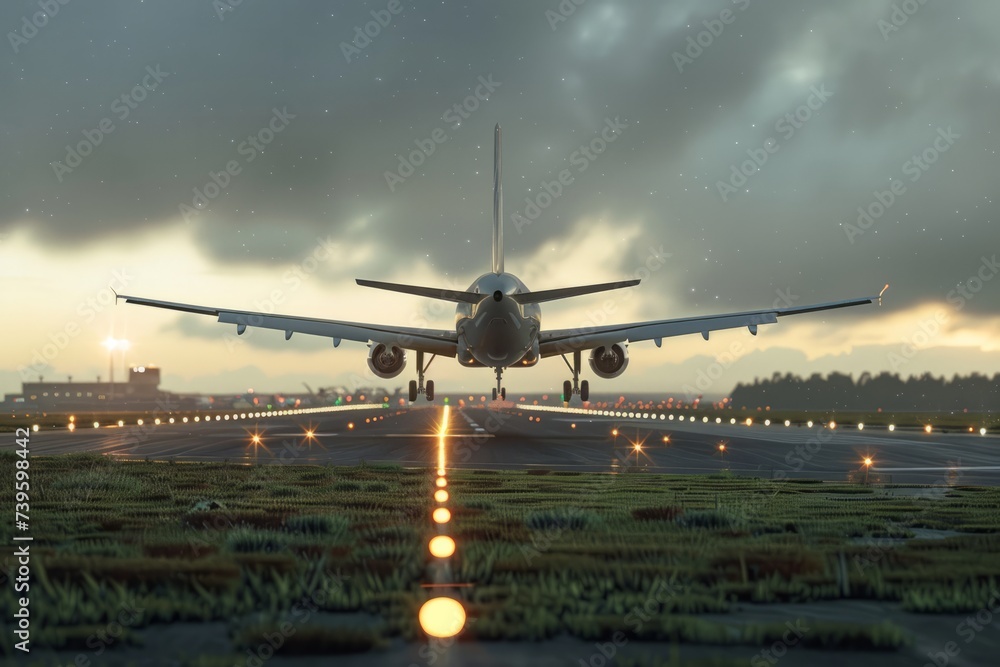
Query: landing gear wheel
<point x="567" y="391"/>
<point x="429" y="391"/>
<point x="413" y="391"/>
<point x="494" y="394"/>
<point x="503" y="393"/>
<point x="585" y="391"/>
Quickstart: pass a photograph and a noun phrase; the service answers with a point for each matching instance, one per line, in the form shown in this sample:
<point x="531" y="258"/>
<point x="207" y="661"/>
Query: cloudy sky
<point x="750" y="133"/>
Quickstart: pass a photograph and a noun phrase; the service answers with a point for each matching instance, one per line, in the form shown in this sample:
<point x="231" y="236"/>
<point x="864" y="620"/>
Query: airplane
<point x="498" y="324"/>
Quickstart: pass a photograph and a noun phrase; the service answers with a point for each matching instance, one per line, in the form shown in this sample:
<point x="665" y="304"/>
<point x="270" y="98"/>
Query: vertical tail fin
<point x="497" y="205"/>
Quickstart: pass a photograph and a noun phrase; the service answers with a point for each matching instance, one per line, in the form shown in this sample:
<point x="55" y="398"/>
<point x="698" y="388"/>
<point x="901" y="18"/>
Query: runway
<point x="525" y="437"/>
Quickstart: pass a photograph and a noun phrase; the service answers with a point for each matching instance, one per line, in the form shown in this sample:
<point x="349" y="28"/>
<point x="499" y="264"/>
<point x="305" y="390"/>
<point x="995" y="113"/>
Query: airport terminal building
<point x="140" y="392"/>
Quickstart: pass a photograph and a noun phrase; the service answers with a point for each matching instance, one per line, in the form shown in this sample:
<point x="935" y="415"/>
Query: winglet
<point x="881" y="293"/>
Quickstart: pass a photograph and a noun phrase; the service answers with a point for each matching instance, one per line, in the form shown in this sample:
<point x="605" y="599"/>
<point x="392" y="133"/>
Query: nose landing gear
<point x="499" y="390"/>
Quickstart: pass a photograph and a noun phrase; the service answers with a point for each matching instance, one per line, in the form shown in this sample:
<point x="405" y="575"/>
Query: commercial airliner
<point x="498" y="324"/>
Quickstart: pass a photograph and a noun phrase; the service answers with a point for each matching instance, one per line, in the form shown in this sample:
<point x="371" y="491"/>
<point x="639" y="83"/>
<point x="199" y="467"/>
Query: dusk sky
<point x="750" y="137"/>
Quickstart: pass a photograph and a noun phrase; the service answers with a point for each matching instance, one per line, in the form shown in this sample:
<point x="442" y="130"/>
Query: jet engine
<point x="386" y="361"/>
<point x="609" y="361"/>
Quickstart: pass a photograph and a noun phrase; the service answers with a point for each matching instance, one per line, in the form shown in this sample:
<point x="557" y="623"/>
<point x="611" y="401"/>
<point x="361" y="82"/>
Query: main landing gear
<point x="417" y="386"/>
<point x="499" y="390"/>
<point x="575" y="386"/>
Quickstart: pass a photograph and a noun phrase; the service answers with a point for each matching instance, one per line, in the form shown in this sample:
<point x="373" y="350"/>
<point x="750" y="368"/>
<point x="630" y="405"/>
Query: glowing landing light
<point x="733" y="420"/>
<point x="982" y="431"/>
<point x="441" y="515"/>
<point x="832" y="425"/>
<point x="614" y="432"/>
<point x="868" y="461"/>
<point x="767" y="422"/>
<point x="788" y="422"/>
<point x="749" y="421"/>
<point x="441" y="495"/>
<point x="71" y="426"/>
<point x="666" y="438"/>
<point x="809" y="423"/>
<point x="442" y="617"/>
<point x="121" y="423"/>
<point x="861" y="426"/>
<point x="892" y="427"/>
<point x="255" y="439"/>
<point x="34" y="427"/>
<point x="441" y="546"/>
<point x="440" y="472"/>
<point x="97" y="424"/>
<point x="350" y="426"/>
<point x="927" y="429"/>
<point x="441" y="482"/>
<point x="572" y="425"/>
<point x="722" y="447"/>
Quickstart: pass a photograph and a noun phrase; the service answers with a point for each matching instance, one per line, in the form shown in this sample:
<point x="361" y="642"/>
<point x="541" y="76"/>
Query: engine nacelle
<point x="386" y="361"/>
<point x="609" y="361"/>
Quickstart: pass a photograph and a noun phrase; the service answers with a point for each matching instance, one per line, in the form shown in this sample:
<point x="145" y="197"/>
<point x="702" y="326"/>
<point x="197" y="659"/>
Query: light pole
<point x="112" y="344"/>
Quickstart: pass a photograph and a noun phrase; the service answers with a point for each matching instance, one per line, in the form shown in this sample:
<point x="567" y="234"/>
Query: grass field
<point x="123" y="550"/>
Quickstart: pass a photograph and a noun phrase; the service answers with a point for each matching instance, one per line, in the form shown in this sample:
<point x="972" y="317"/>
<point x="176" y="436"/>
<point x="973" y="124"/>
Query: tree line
<point x="975" y="392"/>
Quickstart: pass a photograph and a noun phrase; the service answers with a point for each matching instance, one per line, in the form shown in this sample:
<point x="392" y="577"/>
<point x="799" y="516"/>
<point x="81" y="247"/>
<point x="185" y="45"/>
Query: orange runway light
<point x="441" y="495"/>
<point x="441" y="546"/>
<point x="441" y="482"/>
<point x="441" y="515"/>
<point x="442" y="617"/>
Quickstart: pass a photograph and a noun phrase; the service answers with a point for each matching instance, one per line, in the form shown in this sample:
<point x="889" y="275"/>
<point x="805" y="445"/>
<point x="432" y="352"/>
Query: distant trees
<point x="975" y="392"/>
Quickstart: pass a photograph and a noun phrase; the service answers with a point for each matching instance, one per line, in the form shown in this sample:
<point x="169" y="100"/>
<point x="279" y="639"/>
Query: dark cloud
<point x="325" y="170"/>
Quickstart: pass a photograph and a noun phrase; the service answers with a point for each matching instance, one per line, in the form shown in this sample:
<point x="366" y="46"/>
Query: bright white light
<point x="892" y="427"/>
<point x="861" y="426"/>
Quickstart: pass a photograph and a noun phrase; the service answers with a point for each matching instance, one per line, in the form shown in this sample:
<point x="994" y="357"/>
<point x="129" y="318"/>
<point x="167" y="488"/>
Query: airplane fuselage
<point x="497" y="332"/>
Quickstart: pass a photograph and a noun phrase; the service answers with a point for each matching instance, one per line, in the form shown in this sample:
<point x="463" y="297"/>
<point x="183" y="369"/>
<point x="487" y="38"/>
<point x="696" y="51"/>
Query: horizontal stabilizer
<point x="429" y="292"/>
<point x="567" y="292"/>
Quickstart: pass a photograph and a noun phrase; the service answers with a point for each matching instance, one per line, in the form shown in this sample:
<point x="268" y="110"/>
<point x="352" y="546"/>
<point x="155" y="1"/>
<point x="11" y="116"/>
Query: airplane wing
<point x="562" y="341"/>
<point x="434" y="341"/>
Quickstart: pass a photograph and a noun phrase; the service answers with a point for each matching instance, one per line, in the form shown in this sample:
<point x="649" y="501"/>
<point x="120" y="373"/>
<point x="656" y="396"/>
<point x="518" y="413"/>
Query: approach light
<point x="982" y="431"/>
<point x="892" y="427"/>
<point x="441" y="546"/>
<point x="97" y="424"/>
<point x="861" y="426"/>
<point x="788" y="422"/>
<point x="441" y="515"/>
<point x="441" y="482"/>
<point x="868" y="461"/>
<point x="832" y="425"/>
<point x="441" y="495"/>
<point x="927" y="429"/>
<point x="442" y="617"/>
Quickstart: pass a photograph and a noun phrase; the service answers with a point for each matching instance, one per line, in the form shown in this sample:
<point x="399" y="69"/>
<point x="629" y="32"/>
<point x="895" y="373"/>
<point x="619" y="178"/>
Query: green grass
<point x="546" y="555"/>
